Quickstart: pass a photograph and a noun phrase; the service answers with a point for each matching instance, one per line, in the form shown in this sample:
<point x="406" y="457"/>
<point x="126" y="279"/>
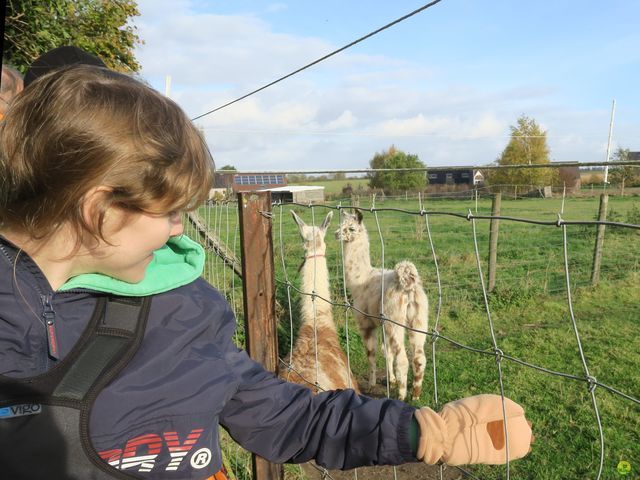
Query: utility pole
<point x="606" y="168"/>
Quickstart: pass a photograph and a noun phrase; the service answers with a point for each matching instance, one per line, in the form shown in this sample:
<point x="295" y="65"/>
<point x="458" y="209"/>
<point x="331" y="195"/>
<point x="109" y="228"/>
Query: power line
<point x="436" y="169"/>
<point x="424" y="7"/>
<point x="364" y="133"/>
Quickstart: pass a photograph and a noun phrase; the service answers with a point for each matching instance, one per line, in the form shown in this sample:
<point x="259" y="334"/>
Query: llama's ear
<point x="327" y="220"/>
<point x="298" y="220"/>
<point x="359" y="216"/>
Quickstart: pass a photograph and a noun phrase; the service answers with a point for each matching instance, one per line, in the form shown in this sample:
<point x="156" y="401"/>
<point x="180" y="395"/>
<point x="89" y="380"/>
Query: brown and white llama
<point x="405" y="303"/>
<point x="317" y="328"/>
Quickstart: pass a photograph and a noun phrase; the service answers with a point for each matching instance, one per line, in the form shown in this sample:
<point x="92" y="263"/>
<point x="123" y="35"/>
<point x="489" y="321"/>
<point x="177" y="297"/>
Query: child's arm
<point x="284" y="422"/>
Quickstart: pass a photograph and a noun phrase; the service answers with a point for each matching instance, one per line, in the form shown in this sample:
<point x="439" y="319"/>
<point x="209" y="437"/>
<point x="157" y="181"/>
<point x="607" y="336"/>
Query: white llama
<point x="405" y="303"/>
<point x="317" y="326"/>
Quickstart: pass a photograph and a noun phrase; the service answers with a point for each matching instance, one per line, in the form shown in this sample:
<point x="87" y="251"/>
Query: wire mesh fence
<point x="544" y="336"/>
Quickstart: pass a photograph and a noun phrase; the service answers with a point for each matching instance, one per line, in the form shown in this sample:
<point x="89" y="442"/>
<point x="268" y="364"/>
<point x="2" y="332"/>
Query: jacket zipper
<point x="49" y="316"/>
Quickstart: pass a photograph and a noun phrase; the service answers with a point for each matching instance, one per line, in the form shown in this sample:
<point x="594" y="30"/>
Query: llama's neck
<point x="315" y="278"/>
<point x="357" y="261"/>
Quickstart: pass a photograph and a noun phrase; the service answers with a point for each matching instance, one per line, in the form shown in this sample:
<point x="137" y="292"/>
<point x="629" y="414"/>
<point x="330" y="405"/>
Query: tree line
<point x="527" y="146"/>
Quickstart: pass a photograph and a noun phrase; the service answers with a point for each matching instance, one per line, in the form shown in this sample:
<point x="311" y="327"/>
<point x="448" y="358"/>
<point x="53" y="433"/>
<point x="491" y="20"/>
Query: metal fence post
<point x="259" y="296"/>
<point x="597" y="251"/>
<point x="493" y="240"/>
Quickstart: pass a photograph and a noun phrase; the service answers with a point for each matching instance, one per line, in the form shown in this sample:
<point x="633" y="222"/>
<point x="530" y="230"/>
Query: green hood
<point x="177" y="263"/>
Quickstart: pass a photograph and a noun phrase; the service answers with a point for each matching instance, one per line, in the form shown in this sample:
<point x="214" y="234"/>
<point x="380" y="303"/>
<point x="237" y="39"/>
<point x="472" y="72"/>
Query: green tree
<point x="101" y="27"/>
<point x="623" y="175"/>
<point x="396" y="181"/>
<point x="527" y="146"/>
<point x="228" y="167"/>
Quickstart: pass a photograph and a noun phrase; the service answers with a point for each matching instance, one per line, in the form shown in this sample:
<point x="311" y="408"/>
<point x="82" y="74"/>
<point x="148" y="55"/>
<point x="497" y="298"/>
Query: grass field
<point x="530" y="313"/>
<point x="334" y="187"/>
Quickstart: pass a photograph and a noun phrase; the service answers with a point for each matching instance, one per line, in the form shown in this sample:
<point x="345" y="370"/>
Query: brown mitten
<point x="471" y="430"/>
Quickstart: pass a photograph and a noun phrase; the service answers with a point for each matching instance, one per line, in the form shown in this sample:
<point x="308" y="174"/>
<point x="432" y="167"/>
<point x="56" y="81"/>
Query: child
<point x="116" y="358"/>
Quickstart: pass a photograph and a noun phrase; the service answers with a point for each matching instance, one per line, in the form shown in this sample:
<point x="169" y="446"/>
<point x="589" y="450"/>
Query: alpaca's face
<point x="312" y="236"/>
<point x="351" y="227"/>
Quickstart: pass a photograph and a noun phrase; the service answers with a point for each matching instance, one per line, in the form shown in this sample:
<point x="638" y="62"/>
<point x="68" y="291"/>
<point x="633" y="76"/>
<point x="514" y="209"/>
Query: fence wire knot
<point x="560" y="222"/>
<point x="423" y="212"/>
<point x="469" y="216"/>
<point x="499" y="354"/>
<point x="593" y="383"/>
<point x="435" y="335"/>
<point x="268" y="215"/>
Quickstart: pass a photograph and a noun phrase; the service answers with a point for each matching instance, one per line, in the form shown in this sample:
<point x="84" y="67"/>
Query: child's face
<point x="133" y="244"/>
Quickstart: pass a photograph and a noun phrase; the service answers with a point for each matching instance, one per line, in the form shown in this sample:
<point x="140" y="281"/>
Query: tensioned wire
<point x="436" y="402"/>
<point x="314" y="296"/>
<point x="383" y="317"/>
<point x="375" y="32"/>
<point x="495" y="351"/>
<point x="590" y="379"/>
<point x="435" y="335"/>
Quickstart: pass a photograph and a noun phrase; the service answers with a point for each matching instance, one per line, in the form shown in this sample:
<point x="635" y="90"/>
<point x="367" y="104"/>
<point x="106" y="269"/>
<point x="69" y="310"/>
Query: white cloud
<point x="345" y="120"/>
<point x="487" y="126"/>
<point x="277" y="7"/>
<point x="339" y="113"/>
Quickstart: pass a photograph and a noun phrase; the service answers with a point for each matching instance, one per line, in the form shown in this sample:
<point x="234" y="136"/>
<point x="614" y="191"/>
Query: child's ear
<point x="96" y="207"/>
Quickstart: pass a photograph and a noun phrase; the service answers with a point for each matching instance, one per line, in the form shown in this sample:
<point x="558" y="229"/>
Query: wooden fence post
<point x="493" y="240"/>
<point x="259" y="296"/>
<point x="597" y="251"/>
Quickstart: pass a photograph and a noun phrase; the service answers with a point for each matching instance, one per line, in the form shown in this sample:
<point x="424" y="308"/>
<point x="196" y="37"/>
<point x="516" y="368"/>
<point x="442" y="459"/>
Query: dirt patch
<point x="408" y="471"/>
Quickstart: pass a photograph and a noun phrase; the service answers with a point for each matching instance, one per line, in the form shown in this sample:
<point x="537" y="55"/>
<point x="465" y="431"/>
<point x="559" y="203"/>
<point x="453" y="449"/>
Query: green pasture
<point x="333" y="188"/>
<point x="529" y="310"/>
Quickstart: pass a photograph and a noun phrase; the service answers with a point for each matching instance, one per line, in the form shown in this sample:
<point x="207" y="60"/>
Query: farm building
<point x="454" y="180"/>
<point x="242" y="182"/>
<point x="297" y="194"/>
<point x="453" y="176"/>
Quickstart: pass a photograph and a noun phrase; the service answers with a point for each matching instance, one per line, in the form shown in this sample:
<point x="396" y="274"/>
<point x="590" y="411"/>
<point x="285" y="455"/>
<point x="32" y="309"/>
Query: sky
<point x="445" y="84"/>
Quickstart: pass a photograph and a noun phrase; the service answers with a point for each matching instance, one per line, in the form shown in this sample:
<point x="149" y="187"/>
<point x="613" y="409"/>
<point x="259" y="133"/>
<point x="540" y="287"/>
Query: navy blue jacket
<point x="159" y="418"/>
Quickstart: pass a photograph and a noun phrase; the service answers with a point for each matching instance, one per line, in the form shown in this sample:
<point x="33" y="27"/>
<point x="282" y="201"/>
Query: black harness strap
<point x="114" y="332"/>
<point x="58" y="436"/>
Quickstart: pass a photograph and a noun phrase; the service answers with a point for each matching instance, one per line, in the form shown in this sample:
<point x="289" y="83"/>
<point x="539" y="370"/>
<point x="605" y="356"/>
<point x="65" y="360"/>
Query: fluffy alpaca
<point x="317" y="323"/>
<point x="405" y="302"/>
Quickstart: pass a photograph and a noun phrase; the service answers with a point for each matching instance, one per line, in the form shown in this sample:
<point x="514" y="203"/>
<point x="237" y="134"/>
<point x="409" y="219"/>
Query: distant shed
<point x="297" y="194"/>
